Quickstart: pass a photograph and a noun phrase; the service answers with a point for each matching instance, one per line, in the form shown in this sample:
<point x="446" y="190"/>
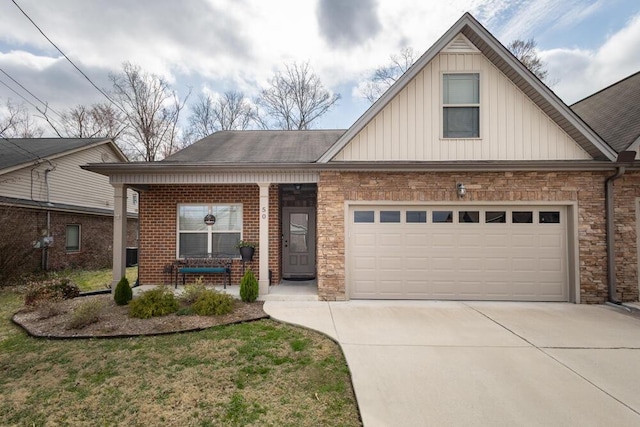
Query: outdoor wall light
<point x="297" y="187"/>
<point x="462" y="191"/>
<point x="209" y="219"/>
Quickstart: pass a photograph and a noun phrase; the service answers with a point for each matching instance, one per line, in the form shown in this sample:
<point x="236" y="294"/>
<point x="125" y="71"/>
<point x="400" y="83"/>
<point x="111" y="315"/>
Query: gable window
<point x="197" y="239"/>
<point x="461" y="105"/>
<point x="72" y="238"/>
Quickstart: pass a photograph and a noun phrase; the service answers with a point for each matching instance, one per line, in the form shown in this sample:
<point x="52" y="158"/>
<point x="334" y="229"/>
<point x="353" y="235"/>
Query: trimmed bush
<point x="213" y="303"/>
<point x="86" y="313"/>
<point x="155" y="302"/>
<point x="53" y="289"/>
<point x="248" y="287"/>
<point x="123" y="293"/>
<point x="193" y="291"/>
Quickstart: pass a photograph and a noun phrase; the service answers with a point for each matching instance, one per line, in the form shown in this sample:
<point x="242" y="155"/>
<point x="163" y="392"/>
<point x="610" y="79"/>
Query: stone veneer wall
<point x="626" y="195"/>
<point x="587" y="188"/>
<point x="158" y="222"/>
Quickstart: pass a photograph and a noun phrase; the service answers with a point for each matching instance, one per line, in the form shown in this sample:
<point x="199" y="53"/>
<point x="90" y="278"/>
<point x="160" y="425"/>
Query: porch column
<point x="263" y="245"/>
<point x="119" y="233"/>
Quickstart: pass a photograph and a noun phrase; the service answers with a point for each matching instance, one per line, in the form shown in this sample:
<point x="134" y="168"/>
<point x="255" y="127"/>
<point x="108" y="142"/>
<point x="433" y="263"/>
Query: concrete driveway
<point x="483" y="363"/>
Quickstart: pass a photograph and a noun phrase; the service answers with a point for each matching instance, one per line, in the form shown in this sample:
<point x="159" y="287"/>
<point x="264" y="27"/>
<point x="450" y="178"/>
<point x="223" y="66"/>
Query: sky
<point x="214" y="46"/>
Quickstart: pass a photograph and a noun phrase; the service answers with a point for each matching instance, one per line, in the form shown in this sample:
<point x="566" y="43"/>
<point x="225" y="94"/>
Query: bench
<point x="205" y="265"/>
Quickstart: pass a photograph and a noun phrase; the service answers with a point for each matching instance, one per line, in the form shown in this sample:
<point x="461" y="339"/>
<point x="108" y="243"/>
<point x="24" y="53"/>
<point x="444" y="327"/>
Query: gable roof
<point x="259" y="146"/>
<point x="15" y="152"/>
<point x="495" y="52"/>
<point x="614" y="112"/>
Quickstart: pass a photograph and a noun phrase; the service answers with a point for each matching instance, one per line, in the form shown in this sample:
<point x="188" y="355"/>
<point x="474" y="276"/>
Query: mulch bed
<point x="114" y="320"/>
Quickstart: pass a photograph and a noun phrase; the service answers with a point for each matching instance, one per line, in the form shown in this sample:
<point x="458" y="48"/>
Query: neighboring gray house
<point x="52" y="211"/>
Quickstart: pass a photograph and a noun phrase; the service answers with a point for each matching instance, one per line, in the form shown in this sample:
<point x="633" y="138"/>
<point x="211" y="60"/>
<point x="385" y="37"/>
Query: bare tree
<point x="383" y="77"/>
<point x="151" y="110"/>
<point x="229" y="111"/>
<point x="295" y="99"/>
<point x="526" y="53"/>
<point x="18" y="123"/>
<point x="97" y="120"/>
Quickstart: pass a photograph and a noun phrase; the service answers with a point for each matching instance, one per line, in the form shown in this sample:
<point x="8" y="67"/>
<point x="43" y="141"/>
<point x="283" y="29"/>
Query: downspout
<point x="610" y="229"/>
<point x="45" y="249"/>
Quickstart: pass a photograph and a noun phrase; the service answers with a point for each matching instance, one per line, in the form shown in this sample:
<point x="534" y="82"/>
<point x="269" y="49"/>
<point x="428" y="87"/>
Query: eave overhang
<point x="157" y="168"/>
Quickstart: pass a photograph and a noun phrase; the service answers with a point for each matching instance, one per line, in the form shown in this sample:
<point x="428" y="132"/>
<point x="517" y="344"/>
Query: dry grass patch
<point x="259" y="373"/>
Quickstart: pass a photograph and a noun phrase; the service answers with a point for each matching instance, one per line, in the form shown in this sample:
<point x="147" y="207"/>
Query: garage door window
<point x="469" y="216"/>
<point x="363" y="216"/>
<point x="495" y="217"/>
<point x="549" y="217"/>
<point x="389" y="216"/>
<point x="522" y="217"/>
<point x="442" y="216"/>
<point x="416" y="216"/>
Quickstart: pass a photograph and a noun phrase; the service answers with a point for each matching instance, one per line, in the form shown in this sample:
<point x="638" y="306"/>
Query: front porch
<point x="286" y="290"/>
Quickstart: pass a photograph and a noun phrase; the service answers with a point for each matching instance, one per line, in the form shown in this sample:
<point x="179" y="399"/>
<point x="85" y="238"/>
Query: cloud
<point x="348" y="23"/>
<point x="581" y="72"/>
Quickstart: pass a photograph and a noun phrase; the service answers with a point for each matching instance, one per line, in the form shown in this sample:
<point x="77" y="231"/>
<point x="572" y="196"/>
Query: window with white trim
<point x="198" y="239"/>
<point x="461" y="105"/>
<point x="72" y="238"/>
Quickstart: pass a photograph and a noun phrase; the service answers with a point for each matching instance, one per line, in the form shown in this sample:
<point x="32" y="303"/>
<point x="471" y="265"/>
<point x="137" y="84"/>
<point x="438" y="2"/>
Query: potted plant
<point x="247" y="249"/>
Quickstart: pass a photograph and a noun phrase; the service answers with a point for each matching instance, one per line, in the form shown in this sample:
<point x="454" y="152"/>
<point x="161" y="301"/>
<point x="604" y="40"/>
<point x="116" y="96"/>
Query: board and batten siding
<point x="512" y="127"/>
<point x="68" y="183"/>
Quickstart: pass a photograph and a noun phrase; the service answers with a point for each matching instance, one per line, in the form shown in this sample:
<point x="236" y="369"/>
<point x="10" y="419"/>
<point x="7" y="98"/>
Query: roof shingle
<point x="614" y="112"/>
<point x="259" y="146"/>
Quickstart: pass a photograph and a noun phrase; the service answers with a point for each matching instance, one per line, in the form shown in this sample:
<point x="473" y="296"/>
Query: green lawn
<point x="261" y="373"/>
<point x="97" y="279"/>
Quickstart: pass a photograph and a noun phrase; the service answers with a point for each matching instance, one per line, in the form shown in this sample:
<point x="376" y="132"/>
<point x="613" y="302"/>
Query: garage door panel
<point x="365" y="263"/>
<point x="494" y="239"/>
<point x="451" y="260"/>
<point x="497" y="265"/>
<point x="443" y="239"/>
<point x="470" y="240"/>
<point x="443" y="264"/>
<point x="416" y="239"/>
<point x="473" y="265"/>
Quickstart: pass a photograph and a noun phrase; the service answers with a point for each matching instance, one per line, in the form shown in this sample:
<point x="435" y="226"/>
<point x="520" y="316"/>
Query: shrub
<point x="193" y="291"/>
<point x="123" y="293"/>
<point x="155" y="302"/>
<point x="53" y="289"/>
<point x="46" y="308"/>
<point x="86" y="313"/>
<point x="248" y="287"/>
<point x="213" y="303"/>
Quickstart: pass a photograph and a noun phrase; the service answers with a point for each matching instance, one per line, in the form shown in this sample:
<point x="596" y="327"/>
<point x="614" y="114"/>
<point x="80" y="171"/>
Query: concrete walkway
<point x="483" y="363"/>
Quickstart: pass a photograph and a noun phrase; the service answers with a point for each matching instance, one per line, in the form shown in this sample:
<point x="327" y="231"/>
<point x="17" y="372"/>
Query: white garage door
<point x="516" y="253"/>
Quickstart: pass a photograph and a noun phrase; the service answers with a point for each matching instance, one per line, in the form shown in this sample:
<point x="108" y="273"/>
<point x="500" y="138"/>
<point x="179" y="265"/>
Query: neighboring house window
<point x="461" y="105"/>
<point x="73" y="238"/>
<point x="197" y="239"/>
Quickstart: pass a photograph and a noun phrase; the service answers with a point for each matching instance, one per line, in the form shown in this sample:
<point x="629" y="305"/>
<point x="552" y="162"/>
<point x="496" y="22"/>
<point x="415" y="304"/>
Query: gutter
<point x="610" y="231"/>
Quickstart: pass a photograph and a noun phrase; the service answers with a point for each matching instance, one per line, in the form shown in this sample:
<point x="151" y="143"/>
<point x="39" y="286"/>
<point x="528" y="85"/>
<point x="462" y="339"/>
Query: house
<point x="53" y="213"/>
<point x="468" y="179"/>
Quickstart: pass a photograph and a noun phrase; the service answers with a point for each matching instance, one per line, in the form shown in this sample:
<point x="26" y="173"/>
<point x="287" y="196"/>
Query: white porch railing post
<point x="119" y="233"/>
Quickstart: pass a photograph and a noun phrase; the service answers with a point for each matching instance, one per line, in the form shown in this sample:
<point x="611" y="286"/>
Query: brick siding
<point x="158" y="222"/>
<point x="96" y="234"/>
